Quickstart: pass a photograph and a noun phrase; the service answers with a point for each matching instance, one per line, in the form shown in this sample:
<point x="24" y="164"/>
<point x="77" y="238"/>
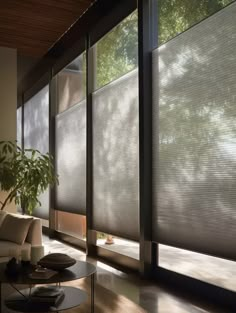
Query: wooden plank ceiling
<point x="33" y="26"/>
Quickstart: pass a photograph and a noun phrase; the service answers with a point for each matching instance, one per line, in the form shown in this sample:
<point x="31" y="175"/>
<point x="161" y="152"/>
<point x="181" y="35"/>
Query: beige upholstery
<point x="33" y="238"/>
<point x="2" y="216"/>
<point x="12" y="249"/>
<point x="14" y="228"/>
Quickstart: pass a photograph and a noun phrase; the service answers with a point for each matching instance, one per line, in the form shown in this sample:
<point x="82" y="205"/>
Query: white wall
<point x="8" y="97"/>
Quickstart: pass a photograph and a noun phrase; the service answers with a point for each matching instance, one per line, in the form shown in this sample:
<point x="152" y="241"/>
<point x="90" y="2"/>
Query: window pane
<point x="116" y="132"/>
<point x="36" y="135"/>
<point x="215" y="271"/>
<point x="119" y="245"/>
<point x="72" y="83"/>
<point x="194" y="142"/>
<point x="117" y="52"/>
<point x="36" y="121"/>
<point x="19" y="126"/>
<point x="71" y="159"/>
<point x="71" y="224"/>
<point x="175" y="16"/>
<point x="116" y="158"/>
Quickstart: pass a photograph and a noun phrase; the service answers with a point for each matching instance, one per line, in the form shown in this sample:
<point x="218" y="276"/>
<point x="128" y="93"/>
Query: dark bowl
<point x="57" y="261"/>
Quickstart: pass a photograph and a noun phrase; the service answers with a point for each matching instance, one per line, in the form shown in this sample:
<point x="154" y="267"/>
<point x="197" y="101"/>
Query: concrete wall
<point x="8" y="98"/>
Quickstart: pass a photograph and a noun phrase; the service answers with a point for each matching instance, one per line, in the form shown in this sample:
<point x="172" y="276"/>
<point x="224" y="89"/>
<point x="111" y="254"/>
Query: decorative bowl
<point x="56" y="261"/>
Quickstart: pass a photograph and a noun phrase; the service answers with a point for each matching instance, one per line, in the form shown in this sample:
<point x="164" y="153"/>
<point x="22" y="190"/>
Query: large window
<point x="193" y="138"/>
<point x="70" y="149"/>
<point x="71" y="159"/>
<point x="116" y="133"/>
<point x="36" y="135"/>
<point x="194" y="145"/>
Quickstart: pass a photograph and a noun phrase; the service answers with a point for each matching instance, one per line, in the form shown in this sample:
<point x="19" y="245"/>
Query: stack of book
<point x="51" y="295"/>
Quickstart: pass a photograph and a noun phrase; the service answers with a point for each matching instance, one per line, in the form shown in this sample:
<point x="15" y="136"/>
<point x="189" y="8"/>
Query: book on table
<point x="42" y="273"/>
<point x="51" y="295"/>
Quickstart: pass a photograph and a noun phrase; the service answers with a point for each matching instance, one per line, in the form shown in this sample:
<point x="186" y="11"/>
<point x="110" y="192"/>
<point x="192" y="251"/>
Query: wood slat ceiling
<point x="32" y="26"/>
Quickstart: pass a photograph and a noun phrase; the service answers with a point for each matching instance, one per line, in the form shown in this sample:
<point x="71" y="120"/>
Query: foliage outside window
<point x="175" y="16"/>
<point x="117" y="52"/>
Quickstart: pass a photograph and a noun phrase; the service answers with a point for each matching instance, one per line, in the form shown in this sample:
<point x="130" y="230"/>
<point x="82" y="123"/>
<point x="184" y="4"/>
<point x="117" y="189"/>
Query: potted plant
<point x="24" y="175"/>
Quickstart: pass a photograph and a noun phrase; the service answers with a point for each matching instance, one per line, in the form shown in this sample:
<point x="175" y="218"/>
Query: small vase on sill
<point x="109" y="240"/>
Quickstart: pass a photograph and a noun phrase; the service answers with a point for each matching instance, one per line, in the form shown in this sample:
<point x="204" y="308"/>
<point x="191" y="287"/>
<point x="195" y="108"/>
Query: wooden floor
<point x="106" y="301"/>
<point x="129" y="289"/>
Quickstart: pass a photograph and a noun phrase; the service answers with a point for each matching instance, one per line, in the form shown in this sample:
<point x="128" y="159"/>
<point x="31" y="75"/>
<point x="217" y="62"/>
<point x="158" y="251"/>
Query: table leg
<point x="92" y="293"/>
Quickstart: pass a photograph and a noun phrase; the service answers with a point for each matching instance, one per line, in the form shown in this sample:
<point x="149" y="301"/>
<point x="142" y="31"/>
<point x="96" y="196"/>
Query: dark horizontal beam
<point x="87" y="22"/>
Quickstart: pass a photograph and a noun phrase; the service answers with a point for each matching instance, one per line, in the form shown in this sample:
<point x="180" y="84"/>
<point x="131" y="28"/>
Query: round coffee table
<point x="73" y="296"/>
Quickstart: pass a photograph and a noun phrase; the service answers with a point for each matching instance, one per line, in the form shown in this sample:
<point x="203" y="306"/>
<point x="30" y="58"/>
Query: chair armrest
<point x="34" y="236"/>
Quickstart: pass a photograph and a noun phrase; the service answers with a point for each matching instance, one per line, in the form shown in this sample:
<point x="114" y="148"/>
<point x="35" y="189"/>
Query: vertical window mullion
<point x="90" y="83"/>
<point x="147" y="16"/>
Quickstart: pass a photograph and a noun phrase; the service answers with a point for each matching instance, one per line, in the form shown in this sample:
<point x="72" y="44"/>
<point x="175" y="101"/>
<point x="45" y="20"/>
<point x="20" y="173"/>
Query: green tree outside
<point x="117" y="51"/>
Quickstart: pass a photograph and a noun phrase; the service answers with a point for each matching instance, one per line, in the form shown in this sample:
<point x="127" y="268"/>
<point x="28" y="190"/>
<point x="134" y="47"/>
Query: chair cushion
<point x="15" y="229"/>
<point x="35" y="233"/>
<point x="11" y="249"/>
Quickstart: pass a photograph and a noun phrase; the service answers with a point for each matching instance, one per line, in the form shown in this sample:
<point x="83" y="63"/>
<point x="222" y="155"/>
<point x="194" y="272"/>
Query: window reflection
<point x="71" y="83"/>
<point x="71" y="224"/>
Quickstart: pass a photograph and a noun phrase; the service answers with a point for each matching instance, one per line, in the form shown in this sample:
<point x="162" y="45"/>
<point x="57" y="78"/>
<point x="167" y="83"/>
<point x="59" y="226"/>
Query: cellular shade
<point x="115" y="158"/>
<point x="71" y="159"/>
<point x="19" y="126"/>
<point x="194" y="138"/>
<point x="36" y="136"/>
<point x="19" y="135"/>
